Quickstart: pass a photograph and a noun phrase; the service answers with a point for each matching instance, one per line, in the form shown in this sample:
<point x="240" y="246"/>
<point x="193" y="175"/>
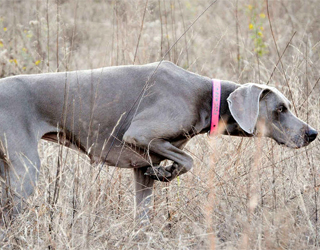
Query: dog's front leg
<point x="182" y="162"/>
<point x="143" y="186"/>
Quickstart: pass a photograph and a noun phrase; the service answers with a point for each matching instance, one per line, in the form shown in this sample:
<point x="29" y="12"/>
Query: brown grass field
<point x="242" y="193"/>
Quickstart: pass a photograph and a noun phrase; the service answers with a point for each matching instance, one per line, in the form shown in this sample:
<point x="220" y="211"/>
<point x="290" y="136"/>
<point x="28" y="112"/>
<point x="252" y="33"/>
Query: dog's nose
<point x="311" y="134"/>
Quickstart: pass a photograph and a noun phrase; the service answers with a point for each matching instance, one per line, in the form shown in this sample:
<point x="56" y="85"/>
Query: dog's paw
<point x="173" y="169"/>
<point x="158" y="173"/>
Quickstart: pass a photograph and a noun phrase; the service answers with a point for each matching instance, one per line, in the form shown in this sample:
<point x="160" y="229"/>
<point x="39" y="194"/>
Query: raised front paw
<point x="173" y="169"/>
<point x="158" y="173"/>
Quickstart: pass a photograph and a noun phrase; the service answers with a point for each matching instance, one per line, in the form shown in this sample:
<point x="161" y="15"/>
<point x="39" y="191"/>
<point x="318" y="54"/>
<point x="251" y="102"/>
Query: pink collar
<point x="216" y="94"/>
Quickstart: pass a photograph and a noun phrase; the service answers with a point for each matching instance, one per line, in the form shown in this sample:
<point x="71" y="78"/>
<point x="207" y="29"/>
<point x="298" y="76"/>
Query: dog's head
<point x="260" y="109"/>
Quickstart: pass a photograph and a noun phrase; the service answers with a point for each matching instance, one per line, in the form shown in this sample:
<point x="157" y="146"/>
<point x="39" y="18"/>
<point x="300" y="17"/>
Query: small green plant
<point x="256" y="28"/>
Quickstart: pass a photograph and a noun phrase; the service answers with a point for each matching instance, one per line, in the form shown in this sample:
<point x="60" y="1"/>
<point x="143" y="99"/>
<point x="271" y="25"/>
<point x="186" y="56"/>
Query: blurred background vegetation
<point x="242" y="193"/>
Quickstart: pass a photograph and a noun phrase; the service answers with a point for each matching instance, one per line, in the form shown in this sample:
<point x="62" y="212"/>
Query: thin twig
<point x="57" y="40"/>
<point x="184" y="28"/>
<point x="161" y="28"/>
<point x="288" y="43"/>
<point x="141" y="28"/>
<point x="308" y="94"/>
<point x="284" y="73"/>
<point x="48" y="36"/>
<point x="237" y="37"/>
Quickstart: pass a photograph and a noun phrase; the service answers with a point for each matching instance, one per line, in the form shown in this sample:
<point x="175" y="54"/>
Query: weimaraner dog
<point x="129" y="117"/>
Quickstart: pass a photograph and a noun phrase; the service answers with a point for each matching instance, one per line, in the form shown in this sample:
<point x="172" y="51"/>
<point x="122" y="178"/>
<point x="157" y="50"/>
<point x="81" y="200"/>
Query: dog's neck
<point x="225" y="117"/>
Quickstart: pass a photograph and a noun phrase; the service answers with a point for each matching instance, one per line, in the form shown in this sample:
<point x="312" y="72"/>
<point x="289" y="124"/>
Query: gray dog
<point x="130" y="117"/>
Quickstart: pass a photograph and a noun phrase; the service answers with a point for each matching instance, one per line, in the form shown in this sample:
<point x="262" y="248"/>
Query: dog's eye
<point x="281" y="109"/>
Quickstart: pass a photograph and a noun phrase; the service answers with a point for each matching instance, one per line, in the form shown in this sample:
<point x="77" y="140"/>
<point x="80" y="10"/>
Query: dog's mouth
<point x="289" y="145"/>
<point x="294" y="145"/>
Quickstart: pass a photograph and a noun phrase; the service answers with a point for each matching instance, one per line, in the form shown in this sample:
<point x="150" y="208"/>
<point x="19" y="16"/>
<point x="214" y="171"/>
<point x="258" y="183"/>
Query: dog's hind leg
<point x="143" y="191"/>
<point x="18" y="170"/>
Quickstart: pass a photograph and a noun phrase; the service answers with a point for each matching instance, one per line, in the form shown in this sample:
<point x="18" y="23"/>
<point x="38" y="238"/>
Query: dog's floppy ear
<point x="244" y="105"/>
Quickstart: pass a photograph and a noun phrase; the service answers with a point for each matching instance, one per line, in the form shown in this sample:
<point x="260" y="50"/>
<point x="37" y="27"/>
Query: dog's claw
<point x="158" y="173"/>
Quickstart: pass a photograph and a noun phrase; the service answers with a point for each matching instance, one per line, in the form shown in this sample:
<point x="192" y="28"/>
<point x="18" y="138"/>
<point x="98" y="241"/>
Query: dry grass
<point x="241" y="193"/>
